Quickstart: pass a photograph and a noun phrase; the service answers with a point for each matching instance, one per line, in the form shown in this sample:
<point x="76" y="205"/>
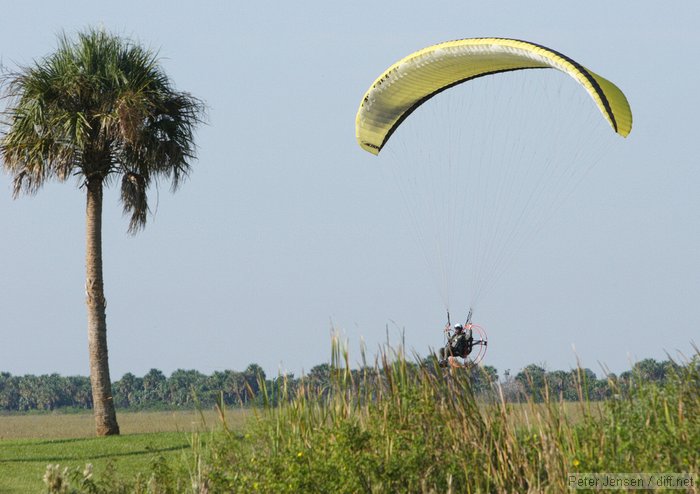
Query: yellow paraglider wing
<point x="418" y="77"/>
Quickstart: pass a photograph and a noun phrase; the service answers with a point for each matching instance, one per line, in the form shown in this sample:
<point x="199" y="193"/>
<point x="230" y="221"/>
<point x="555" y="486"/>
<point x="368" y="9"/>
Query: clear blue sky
<point x="284" y="229"/>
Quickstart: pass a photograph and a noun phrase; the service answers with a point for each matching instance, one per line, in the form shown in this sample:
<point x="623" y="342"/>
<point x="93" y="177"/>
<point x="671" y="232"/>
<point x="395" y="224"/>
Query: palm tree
<point x="102" y="109"/>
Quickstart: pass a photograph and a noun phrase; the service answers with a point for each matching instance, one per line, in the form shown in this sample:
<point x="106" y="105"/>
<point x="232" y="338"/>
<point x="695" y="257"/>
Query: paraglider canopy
<point x="493" y="154"/>
<point x="418" y="77"/>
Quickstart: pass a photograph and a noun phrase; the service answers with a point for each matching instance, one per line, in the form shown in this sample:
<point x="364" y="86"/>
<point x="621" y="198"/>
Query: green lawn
<point x="28" y="443"/>
<point x="23" y="462"/>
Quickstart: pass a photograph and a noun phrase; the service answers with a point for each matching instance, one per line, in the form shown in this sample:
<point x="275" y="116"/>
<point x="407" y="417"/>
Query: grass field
<point x="396" y="427"/>
<point x="28" y="443"/>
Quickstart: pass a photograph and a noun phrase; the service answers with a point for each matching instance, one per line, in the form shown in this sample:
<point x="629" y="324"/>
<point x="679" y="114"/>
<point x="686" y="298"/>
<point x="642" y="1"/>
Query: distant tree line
<point x="581" y="384"/>
<point x="191" y="388"/>
<point x="183" y="389"/>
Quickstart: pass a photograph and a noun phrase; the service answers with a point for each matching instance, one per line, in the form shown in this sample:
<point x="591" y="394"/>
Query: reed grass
<point x="407" y="427"/>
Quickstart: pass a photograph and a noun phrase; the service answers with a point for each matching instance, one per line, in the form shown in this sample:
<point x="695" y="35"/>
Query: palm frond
<point x="99" y="107"/>
<point x="135" y="200"/>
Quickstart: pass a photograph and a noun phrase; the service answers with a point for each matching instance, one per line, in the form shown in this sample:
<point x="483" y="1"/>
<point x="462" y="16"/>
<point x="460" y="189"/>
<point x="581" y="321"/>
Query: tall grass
<point x="399" y="426"/>
<point x="418" y="428"/>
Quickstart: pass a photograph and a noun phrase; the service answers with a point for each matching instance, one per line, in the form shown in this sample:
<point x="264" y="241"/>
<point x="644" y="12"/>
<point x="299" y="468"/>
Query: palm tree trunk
<point x="103" y="404"/>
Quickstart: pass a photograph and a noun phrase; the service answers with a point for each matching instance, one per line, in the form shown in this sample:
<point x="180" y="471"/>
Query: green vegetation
<point x="187" y="389"/>
<point x="49" y="426"/>
<point x="421" y="430"/>
<point x="24" y="462"/>
<point x="183" y="389"/>
<point x="404" y="427"/>
<point x="151" y="442"/>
